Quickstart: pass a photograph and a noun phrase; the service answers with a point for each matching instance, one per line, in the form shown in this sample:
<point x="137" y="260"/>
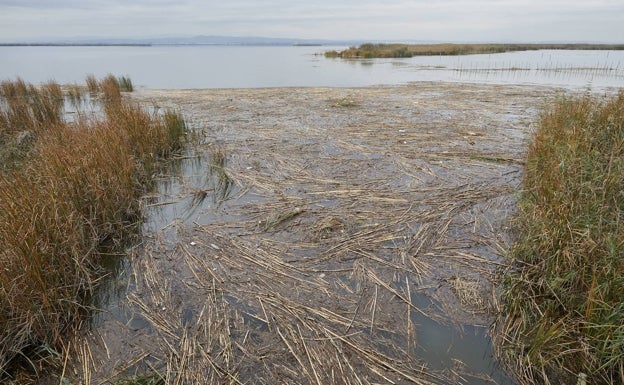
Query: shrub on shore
<point x="77" y="188"/>
<point x="563" y="308"/>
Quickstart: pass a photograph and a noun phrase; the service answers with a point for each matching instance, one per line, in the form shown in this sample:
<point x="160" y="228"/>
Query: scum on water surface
<point x="359" y="238"/>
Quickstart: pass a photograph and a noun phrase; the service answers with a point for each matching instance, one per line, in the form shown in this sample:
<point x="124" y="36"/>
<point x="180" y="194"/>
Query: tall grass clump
<point x="563" y="308"/>
<point x="78" y="190"/>
<point x="25" y="111"/>
<point x="26" y="107"/>
<point x="153" y="136"/>
<point x="125" y="84"/>
<point x="75" y="95"/>
<point x="110" y="91"/>
<point x="92" y="84"/>
<point x="176" y="128"/>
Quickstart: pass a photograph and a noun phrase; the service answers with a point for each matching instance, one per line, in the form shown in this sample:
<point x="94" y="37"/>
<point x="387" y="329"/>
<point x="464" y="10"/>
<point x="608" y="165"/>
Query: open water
<point x="292" y="66"/>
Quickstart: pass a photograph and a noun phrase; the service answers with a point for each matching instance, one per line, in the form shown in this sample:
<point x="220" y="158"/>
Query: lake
<point x="173" y="67"/>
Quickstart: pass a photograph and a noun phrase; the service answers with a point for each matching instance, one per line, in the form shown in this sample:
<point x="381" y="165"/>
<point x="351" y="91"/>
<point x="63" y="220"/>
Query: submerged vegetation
<point x="370" y="50"/>
<point x="67" y="189"/>
<point x="221" y="182"/>
<point x="564" y="315"/>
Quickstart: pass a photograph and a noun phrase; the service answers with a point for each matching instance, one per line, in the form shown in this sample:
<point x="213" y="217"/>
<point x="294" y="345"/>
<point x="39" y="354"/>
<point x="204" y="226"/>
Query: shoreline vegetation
<point x="71" y="191"/>
<point x="563" y="310"/>
<point x="371" y="51"/>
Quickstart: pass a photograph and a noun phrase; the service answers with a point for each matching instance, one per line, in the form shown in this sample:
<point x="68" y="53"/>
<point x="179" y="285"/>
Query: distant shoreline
<point x="73" y="45"/>
<point x="367" y="50"/>
<point x="370" y="50"/>
<point x="157" y="44"/>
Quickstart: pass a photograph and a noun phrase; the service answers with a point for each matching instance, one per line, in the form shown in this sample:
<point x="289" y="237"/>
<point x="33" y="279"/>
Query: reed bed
<point x="73" y="190"/>
<point x="370" y="50"/>
<point x="563" y="307"/>
<point x="550" y="70"/>
<point x="125" y="84"/>
<point x="343" y="230"/>
<point x="93" y="85"/>
<point x="27" y="107"/>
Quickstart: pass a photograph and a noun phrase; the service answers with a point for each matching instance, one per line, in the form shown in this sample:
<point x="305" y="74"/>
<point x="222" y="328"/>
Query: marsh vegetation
<point x="563" y="310"/>
<point x="370" y="50"/>
<point x="69" y="189"/>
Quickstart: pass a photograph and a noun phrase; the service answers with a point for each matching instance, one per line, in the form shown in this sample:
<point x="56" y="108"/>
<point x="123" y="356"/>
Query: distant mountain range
<point x="195" y="40"/>
<point x="218" y="40"/>
<point x="245" y="40"/>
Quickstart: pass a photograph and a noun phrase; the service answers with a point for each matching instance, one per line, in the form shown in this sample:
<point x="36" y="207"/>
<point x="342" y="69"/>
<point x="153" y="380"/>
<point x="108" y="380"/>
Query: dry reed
<point x="339" y="223"/>
<point x="75" y="191"/>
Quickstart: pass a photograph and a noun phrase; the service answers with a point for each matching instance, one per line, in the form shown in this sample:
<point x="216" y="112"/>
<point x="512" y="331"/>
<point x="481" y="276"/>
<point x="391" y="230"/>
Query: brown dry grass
<point x="75" y="190"/>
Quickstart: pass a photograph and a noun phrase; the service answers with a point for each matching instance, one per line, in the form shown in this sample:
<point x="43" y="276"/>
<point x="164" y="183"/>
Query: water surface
<point x="293" y="66"/>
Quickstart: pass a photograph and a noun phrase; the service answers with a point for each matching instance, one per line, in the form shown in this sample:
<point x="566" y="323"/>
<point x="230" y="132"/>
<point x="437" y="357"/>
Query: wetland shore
<point x="316" y="235"/>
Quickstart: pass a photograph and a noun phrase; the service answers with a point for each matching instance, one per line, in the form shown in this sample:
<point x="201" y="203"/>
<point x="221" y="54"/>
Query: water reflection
<point x="79" y="105"/>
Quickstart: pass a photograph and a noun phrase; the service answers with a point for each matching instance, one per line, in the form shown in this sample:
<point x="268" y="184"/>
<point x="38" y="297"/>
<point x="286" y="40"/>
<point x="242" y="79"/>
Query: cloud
<point x="340" y="19"/>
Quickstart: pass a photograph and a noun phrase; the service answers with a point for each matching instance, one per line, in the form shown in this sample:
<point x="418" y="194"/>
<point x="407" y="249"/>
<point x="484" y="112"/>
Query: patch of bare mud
<point x="324" y="236"/>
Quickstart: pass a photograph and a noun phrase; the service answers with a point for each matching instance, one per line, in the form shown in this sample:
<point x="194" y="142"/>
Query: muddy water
<point x="468" y="349"/>
<point x="443" y="345"/>
<point x="324" y="236"/>
<point x="464" y="352"/>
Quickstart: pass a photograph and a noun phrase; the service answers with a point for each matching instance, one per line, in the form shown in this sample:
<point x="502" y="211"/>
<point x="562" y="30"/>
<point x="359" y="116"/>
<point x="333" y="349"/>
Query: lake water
<point x="290" y="66"/>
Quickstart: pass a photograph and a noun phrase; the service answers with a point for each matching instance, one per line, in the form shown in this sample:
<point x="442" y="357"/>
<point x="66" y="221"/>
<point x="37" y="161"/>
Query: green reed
<point x="563" y="309"/>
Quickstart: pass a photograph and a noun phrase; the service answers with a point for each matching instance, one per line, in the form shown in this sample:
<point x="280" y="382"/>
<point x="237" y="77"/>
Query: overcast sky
<point x="442" y="20"/>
